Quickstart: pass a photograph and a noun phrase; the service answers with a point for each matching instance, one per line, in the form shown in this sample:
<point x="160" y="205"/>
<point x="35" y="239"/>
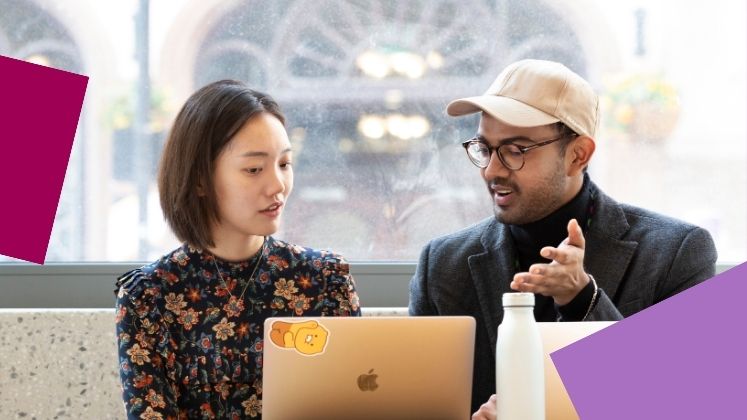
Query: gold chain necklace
<point x="248" y="282"/>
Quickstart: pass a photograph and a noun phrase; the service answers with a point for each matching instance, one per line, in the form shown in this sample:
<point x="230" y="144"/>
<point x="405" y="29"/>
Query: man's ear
<point x="578" y="154"/>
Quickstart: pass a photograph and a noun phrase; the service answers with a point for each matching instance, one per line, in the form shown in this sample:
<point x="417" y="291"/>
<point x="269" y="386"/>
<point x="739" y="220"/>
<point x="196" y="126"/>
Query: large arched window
<point x="364" y="84"/>
<point x="29" y="33"/>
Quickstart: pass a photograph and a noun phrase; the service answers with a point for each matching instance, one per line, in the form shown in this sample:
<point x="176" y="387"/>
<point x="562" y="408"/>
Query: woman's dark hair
<point x="203" y="127"/>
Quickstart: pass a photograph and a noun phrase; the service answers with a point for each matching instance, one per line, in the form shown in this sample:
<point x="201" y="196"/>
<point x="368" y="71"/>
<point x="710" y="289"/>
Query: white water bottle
<point x="519" y="370"/>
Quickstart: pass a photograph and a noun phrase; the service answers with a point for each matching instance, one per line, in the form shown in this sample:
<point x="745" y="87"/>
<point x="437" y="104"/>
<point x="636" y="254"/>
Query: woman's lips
<point x="273" y="210"/>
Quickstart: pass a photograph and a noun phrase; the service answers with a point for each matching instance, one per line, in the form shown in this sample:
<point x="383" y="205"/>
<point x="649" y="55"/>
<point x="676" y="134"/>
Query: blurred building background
<point x="364" y="84"/>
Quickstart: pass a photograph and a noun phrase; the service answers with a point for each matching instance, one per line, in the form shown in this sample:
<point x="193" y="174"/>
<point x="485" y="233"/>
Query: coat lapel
<point x="607" y="257"/>
<point x="492" y="272"/>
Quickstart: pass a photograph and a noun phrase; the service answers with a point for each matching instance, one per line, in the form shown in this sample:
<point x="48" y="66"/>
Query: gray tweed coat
<point x="637" y="257"/>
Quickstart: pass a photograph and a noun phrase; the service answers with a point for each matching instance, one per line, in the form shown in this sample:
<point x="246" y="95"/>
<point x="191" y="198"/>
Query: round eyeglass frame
<point x="497" y="149"/>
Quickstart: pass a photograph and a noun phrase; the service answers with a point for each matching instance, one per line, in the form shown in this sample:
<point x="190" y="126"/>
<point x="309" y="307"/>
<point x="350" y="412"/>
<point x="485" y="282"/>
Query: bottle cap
<point x="518" y="299"/>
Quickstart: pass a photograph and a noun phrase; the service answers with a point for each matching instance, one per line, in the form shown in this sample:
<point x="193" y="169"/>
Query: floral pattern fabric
<point x="191" y="348"/>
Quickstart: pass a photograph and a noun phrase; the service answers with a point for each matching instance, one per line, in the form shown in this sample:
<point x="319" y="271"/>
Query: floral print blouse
<point x="189" y="348"/>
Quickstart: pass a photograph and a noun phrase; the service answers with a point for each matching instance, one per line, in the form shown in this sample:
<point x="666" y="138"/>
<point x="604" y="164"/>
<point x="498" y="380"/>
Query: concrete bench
<point x="62" y="363"/>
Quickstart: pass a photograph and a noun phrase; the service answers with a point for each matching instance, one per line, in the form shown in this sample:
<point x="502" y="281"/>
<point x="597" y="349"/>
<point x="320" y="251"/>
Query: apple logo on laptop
<point x="367" y="382"/>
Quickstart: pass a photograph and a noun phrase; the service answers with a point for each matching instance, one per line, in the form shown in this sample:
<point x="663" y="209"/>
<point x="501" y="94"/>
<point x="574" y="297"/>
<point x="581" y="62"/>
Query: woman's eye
<point x="286" y="165"/>
<point x="254" y="171"/>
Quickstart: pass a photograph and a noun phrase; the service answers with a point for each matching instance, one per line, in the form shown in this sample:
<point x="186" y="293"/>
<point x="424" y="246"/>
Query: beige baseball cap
<point x="531" y="93"/>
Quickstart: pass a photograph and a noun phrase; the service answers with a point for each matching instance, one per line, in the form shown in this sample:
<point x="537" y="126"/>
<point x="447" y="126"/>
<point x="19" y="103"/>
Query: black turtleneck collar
<point x="551" y="230"/>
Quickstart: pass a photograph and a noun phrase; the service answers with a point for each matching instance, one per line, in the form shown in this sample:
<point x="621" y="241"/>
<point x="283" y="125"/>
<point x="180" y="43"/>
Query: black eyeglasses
<point x="510" y="154"/>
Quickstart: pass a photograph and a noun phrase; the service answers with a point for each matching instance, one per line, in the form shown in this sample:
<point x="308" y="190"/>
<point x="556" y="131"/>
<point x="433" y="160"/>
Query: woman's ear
<point x="201" y="191"/>
<point x="579" y="153"/>
<point x="201" y="180"/>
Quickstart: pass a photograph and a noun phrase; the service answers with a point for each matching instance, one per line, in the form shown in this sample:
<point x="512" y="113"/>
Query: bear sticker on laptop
<point x="307" y="338"/>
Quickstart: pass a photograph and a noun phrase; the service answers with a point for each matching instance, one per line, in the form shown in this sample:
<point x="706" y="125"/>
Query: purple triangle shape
<point x="39" y="111"/>
<point x="684" y="358"/>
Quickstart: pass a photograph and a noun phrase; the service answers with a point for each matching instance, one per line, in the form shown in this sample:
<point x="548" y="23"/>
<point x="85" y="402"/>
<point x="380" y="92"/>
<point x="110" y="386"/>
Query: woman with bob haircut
<point x="190" y="325"/>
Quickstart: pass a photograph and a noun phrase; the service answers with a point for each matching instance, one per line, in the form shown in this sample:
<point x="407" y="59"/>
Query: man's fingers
<point x="576" y="235"/>
<point x="487" y="410"/>
<point x="560" y="256"/>
<point x="529" y="283"/>
<point x="532" y="288"/>
<point x="539" y="269"/>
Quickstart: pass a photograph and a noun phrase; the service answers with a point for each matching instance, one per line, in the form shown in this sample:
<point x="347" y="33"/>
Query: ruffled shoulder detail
<point x="336" y="263"/>
<point x="128" y="280"/>
<point x="134" y="284"/>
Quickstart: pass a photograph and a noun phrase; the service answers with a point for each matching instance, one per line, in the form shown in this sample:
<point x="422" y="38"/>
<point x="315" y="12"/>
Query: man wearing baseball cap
<point x="555" y="233"/>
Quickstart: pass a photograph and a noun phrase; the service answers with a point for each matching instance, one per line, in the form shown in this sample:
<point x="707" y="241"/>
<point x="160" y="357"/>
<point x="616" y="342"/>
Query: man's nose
<point x="495" y="168"/>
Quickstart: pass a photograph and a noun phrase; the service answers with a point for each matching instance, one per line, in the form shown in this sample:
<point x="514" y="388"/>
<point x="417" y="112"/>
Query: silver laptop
<point x="368" y="368"/>
<point x="556" y="335"/>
